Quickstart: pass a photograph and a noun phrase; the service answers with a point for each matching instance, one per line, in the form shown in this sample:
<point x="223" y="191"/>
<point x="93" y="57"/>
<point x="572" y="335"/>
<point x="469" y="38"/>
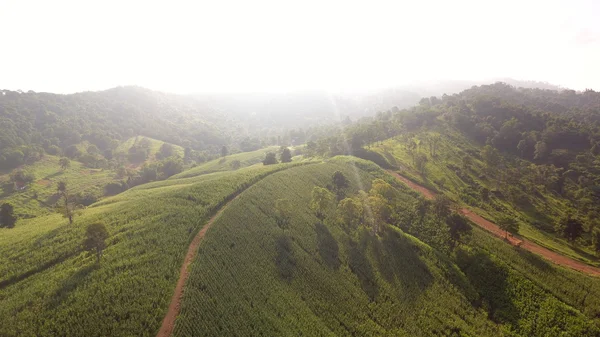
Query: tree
<point x="64" y="163"/>
<point x="434" y="141"/>
<point x="349" y="212"/>
<point x="93" y="150"/>
<point x="283" y="213"/>
<point x="7" y="216"/>
<point x="224" y="151"/>
<point x="380" y="212"/>
<point x="72" y="151"/>
<point x="171" y="166"/>
<point x="421" y="163"/>
<point x="541" y="151"/>
<point x="569" y="227"/>
<point x="508" y="224"/>
<point x="491" y="156"/>
<point x="441" y="206"/>
<point x="459" y="226"/>
<point x="340" y="183"/>
<point x="382" y="188"/>
<point x="321" y="202"/>
<point x="270" y="159"/>
<point x="166" y="150"/>
<point x="466" y="161"/>
<point x="95" y="239"/>
<point x="285" y="156"/>
<point x="67" y="208"/>
<point x="596" y="240"/>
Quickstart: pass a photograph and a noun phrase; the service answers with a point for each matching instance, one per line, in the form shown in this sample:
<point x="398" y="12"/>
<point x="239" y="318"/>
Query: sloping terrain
<point x="49" y="286"/>
<point x="252" y="277"/>
<point x="446" y="172"/>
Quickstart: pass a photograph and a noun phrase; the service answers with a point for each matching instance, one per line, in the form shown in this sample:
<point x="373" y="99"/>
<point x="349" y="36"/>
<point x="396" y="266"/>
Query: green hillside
<point x="154" y="147"/>
<point x="252" y="277"/>
<point x="228" y="163"/>
<point x="324" y="278"/>
<point x="48" y="285"/>
<point x="39" y="196"/>
<point x="446" y="173"/>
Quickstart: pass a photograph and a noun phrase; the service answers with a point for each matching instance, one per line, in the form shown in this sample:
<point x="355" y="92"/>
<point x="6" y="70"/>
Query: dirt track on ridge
<point x="491" y="227"/>
<point x="168" y="323"/>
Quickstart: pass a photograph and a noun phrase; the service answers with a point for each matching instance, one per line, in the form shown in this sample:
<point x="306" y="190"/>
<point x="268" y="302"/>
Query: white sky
<point x="67" y="46"/>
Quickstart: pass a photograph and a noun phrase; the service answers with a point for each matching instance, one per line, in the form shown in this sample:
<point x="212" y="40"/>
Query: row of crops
<point x="51" y="288"/>
<point x="253" y="278"/>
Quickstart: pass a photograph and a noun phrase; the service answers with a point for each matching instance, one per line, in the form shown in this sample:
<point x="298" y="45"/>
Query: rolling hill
<point x="335" y="243"/>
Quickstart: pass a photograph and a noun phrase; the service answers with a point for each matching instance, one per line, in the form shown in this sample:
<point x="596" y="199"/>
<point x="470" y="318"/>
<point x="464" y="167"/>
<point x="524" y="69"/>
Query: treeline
<point x="32" y="124"/>
<point x="534" y="142"/>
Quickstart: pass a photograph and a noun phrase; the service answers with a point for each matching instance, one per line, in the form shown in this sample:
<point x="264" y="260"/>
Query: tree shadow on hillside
<point x="490" y="280"/>
<point x="534" y="260"/>
<point x="285" y="259"/>
<point x="71" y="284"/>
<point x="361" y="266"/>
<point x="327" y="246"/>
<point x="398" y="260"/>
<point x="52" y="199"/>
<point x="54" y="175"/>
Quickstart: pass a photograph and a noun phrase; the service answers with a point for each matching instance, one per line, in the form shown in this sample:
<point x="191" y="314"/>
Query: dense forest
<point x="535" y="144"/>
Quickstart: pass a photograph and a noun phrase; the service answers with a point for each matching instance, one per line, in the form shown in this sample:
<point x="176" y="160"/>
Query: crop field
<point x="253" y="278"/>
<point x="441" y="177"/>
<point x="225" y="163"/>
<point x="49" y="286"/>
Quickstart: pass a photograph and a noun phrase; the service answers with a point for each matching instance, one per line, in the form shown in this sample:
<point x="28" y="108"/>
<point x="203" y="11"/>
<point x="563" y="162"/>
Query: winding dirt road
<point x="495" y="230"/>
<point x="168" y="323"/>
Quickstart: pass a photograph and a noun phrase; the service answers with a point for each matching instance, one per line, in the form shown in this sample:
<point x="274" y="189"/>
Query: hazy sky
<point x="192" y="46"/>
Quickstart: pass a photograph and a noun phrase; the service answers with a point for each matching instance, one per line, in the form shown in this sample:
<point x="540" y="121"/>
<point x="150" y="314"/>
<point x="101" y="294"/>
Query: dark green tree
<point x="270" y="159"/>
<point x="569" y="227"/>
<point x="285" y="156"/>
<point x="166" y="150"/>
<point x="7" y="216"/>
<point x="95" y="239"/>
<point x="340" y="183"/>
<point x="596" y="240"/>
<point x="441" y="206"/>
<point x="67" y="208"/>
<point x="459" y="227"/>
<point x="64" y="163"/>
<point x="421" y="163"/>
<point x="224" y="151"/>
<point x="508" y="225"/>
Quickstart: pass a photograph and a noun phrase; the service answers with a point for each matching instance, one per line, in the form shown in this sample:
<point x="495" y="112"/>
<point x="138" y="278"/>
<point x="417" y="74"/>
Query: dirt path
<point x="168" y="323"/>
<point x="426" y="193"/>
<point x="494" y="229"/>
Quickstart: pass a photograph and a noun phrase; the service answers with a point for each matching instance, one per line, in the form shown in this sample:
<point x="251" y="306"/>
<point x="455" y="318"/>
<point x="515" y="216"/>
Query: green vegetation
<point x="38" y="196"/>
<point x="528" y="154"/>
<point x="95" y="239"/>
<point x="322" y="276"/>
<point x="227" y="163"/>
<point x="336" y="247"/>
<point x="49" y="284"/>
